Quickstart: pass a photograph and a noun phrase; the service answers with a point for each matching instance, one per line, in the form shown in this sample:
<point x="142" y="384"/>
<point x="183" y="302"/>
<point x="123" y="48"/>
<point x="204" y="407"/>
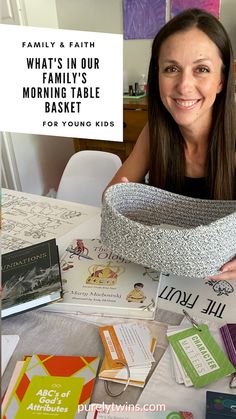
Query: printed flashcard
<point x="179" y="372"/>
<point x="203" y="360"/>
<point x="182" y="376"/>
<point x="129" y="343"/>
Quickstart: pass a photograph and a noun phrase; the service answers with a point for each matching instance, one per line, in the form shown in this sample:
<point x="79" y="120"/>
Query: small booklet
<point x="30" y="277"/>
<point x="96" y="281"/>
<point x="50" y="385"/>
<point x="127" y="344"/>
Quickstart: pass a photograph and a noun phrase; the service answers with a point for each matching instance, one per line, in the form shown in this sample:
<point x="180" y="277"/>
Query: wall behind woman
<point x="107" y="16"/>
<point x="227" y="17"/>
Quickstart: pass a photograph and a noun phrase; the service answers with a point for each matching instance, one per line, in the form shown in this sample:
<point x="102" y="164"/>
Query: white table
<point x="50" y="333"/>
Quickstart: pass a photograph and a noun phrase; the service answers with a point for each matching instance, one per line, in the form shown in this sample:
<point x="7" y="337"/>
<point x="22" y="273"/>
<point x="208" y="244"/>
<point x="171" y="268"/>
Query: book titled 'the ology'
<point x="97" y="281"/>
<point x="30" y="277"/>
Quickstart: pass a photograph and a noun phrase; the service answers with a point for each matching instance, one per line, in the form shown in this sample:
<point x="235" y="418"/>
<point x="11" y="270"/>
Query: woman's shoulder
<point x="145" y="133"/>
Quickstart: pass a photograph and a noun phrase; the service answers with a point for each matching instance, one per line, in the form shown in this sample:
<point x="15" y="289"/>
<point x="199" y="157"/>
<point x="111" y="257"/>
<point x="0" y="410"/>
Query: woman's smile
<point x="186" y="103"/>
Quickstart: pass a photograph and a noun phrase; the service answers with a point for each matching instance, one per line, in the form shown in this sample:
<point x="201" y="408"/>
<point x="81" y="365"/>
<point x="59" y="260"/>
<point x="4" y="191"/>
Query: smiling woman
<point x="194" y="90"/>
<point x="190" y="138"/>
<point x="188" y="146"/>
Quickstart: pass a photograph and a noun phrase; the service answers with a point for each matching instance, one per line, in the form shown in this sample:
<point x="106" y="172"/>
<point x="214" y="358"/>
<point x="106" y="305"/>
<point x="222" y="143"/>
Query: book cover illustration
<point x="51" y="385"/>
<point x="95" y="280"/>
<point x="209" y="299"/>
<point x="29" y="276"/>
<point x="220" y="405"/>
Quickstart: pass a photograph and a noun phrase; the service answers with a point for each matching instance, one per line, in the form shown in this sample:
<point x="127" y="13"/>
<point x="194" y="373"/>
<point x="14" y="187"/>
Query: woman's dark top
<point x="195" y="187"/>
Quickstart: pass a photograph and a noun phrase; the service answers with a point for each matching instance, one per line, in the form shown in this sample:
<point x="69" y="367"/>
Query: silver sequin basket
<point x="135" y="225"/>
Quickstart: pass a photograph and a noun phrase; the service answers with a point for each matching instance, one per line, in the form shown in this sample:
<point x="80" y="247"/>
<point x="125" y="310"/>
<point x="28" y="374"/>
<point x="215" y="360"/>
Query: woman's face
<point x="190" y="76"/>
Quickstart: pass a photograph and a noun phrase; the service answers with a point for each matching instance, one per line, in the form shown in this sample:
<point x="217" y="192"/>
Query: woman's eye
<point x="202" y="69"/>
<point x="171" y="69"/>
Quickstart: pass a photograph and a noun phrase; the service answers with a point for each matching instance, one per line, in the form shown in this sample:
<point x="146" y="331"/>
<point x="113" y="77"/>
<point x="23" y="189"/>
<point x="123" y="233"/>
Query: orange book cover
<point x="52" y="384"/>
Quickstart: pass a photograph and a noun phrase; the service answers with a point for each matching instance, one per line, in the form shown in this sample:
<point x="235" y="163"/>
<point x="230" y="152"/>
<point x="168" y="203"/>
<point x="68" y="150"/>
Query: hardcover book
<point x="96" y="281"/>
<point x="52" y="386"/>
<point x="30" y="277"/>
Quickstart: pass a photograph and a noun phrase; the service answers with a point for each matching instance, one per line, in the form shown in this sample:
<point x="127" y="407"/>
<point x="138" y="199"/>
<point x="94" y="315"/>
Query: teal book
<point x="220" y="405"/>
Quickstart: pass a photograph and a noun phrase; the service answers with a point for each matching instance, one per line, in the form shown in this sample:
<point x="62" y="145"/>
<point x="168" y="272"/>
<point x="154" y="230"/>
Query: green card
<point x="200" y="355"/>
<point x="51" y="397"/>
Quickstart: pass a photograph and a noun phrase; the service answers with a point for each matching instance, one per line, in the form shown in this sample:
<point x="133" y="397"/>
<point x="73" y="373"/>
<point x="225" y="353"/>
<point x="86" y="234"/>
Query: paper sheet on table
<point x="9" y="343"/>
<point x="30" y="219"/>
<point x="162" y="387"/>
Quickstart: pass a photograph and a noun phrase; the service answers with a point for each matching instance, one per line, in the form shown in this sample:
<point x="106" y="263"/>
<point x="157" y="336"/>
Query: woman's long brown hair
<point x="167" y="169"/>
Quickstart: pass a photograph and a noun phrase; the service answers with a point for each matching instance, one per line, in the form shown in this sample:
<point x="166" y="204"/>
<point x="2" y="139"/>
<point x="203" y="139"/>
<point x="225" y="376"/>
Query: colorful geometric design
<point x="53" y="366"/>
<point x="211" y="6"/>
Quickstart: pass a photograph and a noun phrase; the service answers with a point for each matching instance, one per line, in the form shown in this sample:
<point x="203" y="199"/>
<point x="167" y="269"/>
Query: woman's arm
<point x="136" y="165"/>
